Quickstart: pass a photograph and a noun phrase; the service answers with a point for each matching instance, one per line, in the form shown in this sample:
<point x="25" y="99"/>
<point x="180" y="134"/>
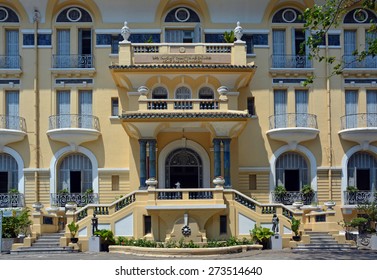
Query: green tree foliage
<point x="322" y="17"/>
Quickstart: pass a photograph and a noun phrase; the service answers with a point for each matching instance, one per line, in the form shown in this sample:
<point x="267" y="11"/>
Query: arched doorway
<point x="183" y="166"/>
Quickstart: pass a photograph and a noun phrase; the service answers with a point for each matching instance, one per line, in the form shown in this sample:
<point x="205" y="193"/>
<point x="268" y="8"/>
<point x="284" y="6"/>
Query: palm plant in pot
<point x="107" y="238"/>
<point x="73" y="228"/>
<point x="261" y="235"/>
<point x="280" y="192"/>
<point x="295" y="225"/>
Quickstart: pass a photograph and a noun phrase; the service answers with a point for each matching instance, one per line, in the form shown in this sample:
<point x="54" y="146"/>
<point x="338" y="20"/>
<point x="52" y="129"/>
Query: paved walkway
<point x="285" y="254"/>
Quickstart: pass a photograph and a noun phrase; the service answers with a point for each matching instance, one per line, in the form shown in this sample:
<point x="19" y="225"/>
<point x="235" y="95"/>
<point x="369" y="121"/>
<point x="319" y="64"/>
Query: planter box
<point x="6" y="244"/>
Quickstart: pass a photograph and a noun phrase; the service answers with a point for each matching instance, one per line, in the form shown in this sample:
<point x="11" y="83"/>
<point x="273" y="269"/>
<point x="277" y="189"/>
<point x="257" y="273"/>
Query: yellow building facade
<point x="142" y="113"/>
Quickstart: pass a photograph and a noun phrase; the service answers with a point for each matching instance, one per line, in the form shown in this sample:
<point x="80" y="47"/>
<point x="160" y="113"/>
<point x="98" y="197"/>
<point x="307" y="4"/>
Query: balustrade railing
<point x="359" y="197"/>
<point x="10" y="62"/>
<point x="74" y="121"/>
<point x="291" y="61"/>
<point x="359" y="120"/>
<point x="214" y="48"/>
<point x="169" y="194"/>
<point x="210" y="48"/>
<point x="351" y="61"/>
<point x="182" y="104"/>
<point x="146" y="48"/>
<point x="293" y="120"/>
<point x="11" y="200"/>
<point x="246" y="201"/>
<point x="289" y="197"/>
<point x="12" y="122"/>
<point x="73" y="61"/>
<point x="81" y="199"/>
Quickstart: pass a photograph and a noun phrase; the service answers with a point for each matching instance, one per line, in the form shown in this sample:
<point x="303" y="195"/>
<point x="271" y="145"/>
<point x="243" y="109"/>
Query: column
<point x="217" y="166"/>
<point x="143" y="159"/>
<point x="152" y="158"/>
<point x="226" y="143"/>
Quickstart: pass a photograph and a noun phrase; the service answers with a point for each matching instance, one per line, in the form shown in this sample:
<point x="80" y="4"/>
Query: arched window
<point x="75" y="173"/>
<point x="288" y="15"/>
<point x="182" y="14"/>
<point x="183" y="93"/>
<point x="8" y="173"/>
<point x="160" y="93"/>
<point x="8" y="15"/>
<point x="362" y="171"/>
<point x="206" y="93"/>
<point x="74" y="14"/>
<point x="358" y="16"/>
<point x="292" y="171"/>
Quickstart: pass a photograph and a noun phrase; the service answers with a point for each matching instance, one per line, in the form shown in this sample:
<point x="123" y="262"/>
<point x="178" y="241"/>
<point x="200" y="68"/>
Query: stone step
<point x="31" y="250"/>
<point x="42" y="245"/>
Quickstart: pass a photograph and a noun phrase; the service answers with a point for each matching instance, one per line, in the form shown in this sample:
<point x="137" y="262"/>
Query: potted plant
<point x="295" y="225"/>
<point x="351" y="189"/>
<point x="107" y="238"/>
<point x="280" y="191"/>
<point x="261" y="235"/>
<point x="307" y="193"/>
<point x="73" y="228"/>
<point x="229" y="37"/>
<point x="14" y="227"/>
<point x="23" y="224"/>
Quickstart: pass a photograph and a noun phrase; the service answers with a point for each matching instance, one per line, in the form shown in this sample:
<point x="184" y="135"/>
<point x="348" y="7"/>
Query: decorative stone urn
<point x="238" y="32"/>
<point x="71" y="206"/>
<point x="37" y="206"/>
<point x="223" y="90"/>
<point x="330" y="204"/>
<point x="297" y="204"/>
<point x="52" y="210"/>
<point x="151" y="182"/>
<point x="143" y="90"/>
<point x="219" y="181"/>
<point x="126" y="32"/>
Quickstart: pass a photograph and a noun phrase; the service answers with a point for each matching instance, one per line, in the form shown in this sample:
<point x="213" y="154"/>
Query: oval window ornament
<point x="289" y="15"/>
<point x="182" y="15"/>
<point x="3" y="14"/>
<point x="74" y="14"/>
<point x="360" y="16"/>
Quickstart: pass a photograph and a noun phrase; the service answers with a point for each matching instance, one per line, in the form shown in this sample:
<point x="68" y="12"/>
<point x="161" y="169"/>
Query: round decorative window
<point x="289" y="15"/>
<point x="3" y="14"/>
<point x="74" y="14"/>
<point x="182" y="14"/>
<point x="360" y="16"/>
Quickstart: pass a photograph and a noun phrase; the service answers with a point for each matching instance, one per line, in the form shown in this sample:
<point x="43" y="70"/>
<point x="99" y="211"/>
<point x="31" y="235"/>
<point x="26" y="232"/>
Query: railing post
<point x="125" y="53"/>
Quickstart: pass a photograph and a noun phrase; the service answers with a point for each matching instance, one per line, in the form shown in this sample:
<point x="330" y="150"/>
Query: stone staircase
<point x="47" y="243"/>
<point x="323" y="241"/>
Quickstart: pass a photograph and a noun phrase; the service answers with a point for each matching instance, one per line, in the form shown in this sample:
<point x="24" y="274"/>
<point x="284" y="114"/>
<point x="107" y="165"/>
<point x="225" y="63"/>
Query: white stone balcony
<point x="12" y="129"/>
<point x="359" y="128"/>
<point x="73" y="129"/>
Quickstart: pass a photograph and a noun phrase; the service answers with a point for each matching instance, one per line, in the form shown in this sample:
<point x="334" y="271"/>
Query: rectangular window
<point x="278" y="49"/>
<point x="223" y="224"/>
<point x="320" y="218"/>
<point x="252" y="181"/>
<point x="63" y="109"/>
<point x="371" y="108"/>
<point x="351" y="108"/>
<point x="28" y="39"/>
<point x="115" y="182"/>
<point x="12" y="109"/>
<point x="85" y="109"/>
<point x="248" y="38"/>
<point x="114" y="106"/>
<point x="251" y="105"/>
<point x="301" y="98"/>
<point x="147" y="225"/>
<point x="44" y="40"/>
<point x="280" y="108"/>
<point x="103" y="39"/>
<point x="12" y="49"/>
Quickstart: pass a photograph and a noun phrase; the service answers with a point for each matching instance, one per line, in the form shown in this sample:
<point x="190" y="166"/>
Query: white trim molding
<point x="68" y="150"/>
<point x="178" y="144"/>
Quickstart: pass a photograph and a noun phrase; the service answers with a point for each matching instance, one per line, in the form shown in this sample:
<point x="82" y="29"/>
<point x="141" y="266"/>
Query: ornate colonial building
<point x="132" y="108"/>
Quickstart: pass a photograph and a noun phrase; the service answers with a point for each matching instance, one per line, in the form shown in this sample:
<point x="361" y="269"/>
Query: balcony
<point x="293" y="128"/>
<point x="73" y="64"/>
<point x="10" y="200"/>
<point x="81" y="199"/>
<point x="359" y="197"/>
<point x="289" y="197"/>
<point x="73" y="129"/>
<point x="10" y="65"/>
<point x="359" y="128"/>
<point x="182" y="104"/>
<point x="297" y="64"/>
<point x="12" y="129"/>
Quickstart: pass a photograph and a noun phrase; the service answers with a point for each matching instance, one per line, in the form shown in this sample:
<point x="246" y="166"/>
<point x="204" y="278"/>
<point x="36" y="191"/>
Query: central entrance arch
<point x="174" y="148"/>
<point x="183" y="167"/>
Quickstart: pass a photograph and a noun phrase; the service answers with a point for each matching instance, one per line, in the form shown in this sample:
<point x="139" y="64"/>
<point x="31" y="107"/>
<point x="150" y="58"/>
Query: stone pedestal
<point x="94" y="244"/>
<point x="276" y="242"/>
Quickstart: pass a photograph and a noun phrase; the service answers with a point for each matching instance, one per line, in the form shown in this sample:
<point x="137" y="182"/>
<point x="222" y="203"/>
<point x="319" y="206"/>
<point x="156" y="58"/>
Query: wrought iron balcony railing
<point x="12" y="122"/>
<point x="359" y="197"/>
<point x="290" y="61"/>
<point x="359" y="120"/>
<point x="289" y="197"/>
<point x="10" y="62"/>
<point x="73" y="61"/>
<point x="182" y="104"/>
<point x="81" y="199"/>
<point x="351" y="61"/>
<point x="74" y="121"/>
<point x="293" y="120"/>
<point x="11" y="200"/>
